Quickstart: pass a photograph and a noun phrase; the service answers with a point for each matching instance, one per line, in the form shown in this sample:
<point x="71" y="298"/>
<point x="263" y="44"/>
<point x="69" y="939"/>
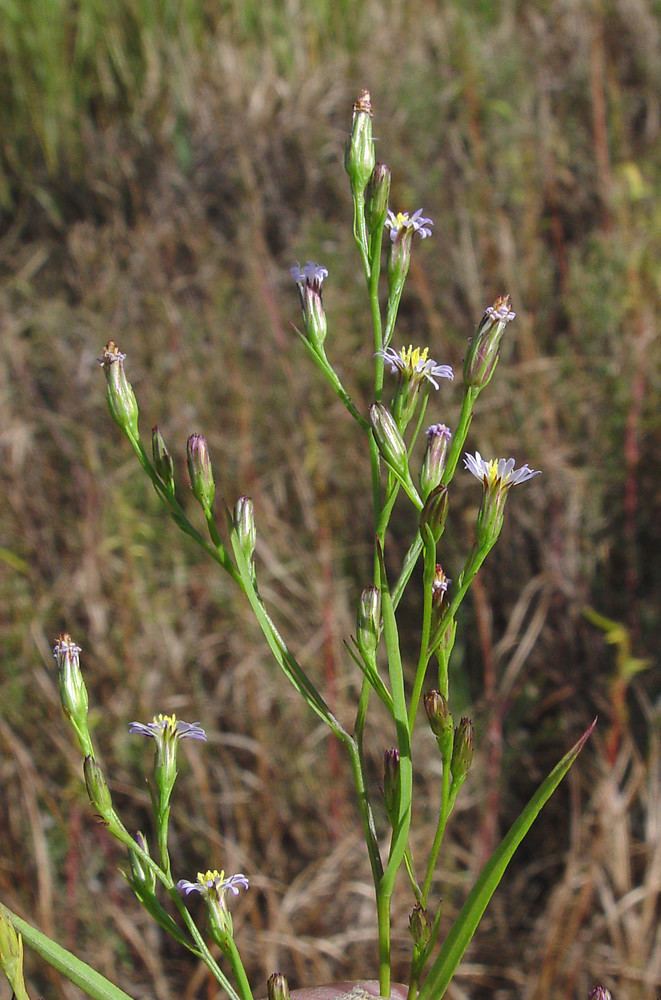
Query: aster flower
<point x="413" y="364"/>
<point x="213" y="886"/>
<point x="497" y="476"/>
<point x="498" y="473"/>
<point x="168" y="727"/>
<point x="213" y="882"/>
<point x="309" y="280"/>
<point x="403" y="224"/>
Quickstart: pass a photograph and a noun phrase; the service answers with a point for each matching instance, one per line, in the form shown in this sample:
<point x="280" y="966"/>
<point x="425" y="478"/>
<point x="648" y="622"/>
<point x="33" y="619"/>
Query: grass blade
<point x="79" y="973"/>
<point x="439" y="976"/>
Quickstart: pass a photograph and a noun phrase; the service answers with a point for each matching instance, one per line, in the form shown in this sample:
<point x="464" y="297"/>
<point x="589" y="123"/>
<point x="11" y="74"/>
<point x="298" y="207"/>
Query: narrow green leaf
<point x="79" y="973"/>
<point x="464" y="927"/>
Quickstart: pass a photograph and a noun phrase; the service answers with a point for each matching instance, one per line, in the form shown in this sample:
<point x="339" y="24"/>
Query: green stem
<point x="423" y="658"/>
<point x="232" y="953"/>
<point x="443" y="816"/>
<point x="460" y="433"/>
<point x="318" y="355"/>
<point x="360" y="232"/>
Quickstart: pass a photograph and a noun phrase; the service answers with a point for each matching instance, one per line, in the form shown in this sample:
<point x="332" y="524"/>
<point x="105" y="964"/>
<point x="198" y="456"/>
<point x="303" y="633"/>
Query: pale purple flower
<point x="501" y="310"/>
<point x="403" y="223"/>
<point x="213" y="882"/>
<point x="168" y="726"/>
<point x="310" y="274"/>
<point x="439" y="430"/>
<point x="414" y="364"/>
<point x="498" y="473"/>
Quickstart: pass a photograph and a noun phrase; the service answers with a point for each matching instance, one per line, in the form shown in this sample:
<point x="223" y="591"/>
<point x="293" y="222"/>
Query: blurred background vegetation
<point x="162" y="163"/>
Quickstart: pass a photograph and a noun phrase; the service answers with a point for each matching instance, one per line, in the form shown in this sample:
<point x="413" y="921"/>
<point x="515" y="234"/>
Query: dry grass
<point x="528" y="135"/>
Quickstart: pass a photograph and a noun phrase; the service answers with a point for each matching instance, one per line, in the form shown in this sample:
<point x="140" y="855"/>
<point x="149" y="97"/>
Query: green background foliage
<point x="161" y="166"/>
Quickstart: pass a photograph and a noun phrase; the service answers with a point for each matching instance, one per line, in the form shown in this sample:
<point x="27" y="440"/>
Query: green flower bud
<point x="73" y="693"/>
<point x="438" y="713"/>
<point x="368" y="623"/>
<point x="389" y="439"/>
<point x="391" y="783"/>
<point x="142" y="880"/>
<point x="97" y="789"/>
<point x="359" y="156"/>
<point x="277" y="987"/>
<point x="309" y="280"/>
<point x="435" y="511"/>
<point x="244" y="523"/>
<point x="482" y="355"/>
<point x="163" y="463"/>
<point x="420" y="927"/>
<point x="121" y="398"/>
<point x="200" y="471"/>
<point x="462" y="751"/>
<point x="376" y="197"/>
<point x="433" y="464"/>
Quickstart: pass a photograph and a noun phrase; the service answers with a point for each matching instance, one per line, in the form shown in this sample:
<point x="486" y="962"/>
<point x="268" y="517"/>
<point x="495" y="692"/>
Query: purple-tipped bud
<point x="376" y="197"/>
<point x="438" y="713"/>
<point x="97" y="789"/>
<point x="359" y="155"/>
<point x="389" y="439"/>
<point x="368" y="622"/>
<point x="309" y="279"/>
<point x="391" y="783"/>
<point x="482" y="355"/>
<point x="277" y="987"/>
<point x="420" y="926"/>
<point x="462" y="751"/>
<point x="200" y="471"/>
<point x="244" y="523"/>
<point x="163" y="463"/>
<point x="433" y="464"/>
<point x="435" y="512"/>
<point x="121" y="398"/>
<point x="600" y="993"/>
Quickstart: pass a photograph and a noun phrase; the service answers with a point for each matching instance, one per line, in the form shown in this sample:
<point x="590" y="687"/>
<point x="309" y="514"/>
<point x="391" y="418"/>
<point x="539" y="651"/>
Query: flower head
<point x="213" y="887"/>
<point x="121" y="399"/>
<point x="213" y="882"/>
<point x="309" y="280"/>
<point x="483" y="349"/>
<point x="168" y="727"/>
<point x="413" y="364"/>
<point x="73" y="693"/>
<point x="403" y="224"/>
<point x="498" y="473"/>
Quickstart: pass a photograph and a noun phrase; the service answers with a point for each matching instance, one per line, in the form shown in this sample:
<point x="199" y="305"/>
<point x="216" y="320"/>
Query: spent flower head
<point x="73" y="693"/>
<point x="483" y="350"/>
<point x="309" y="279"/>
<point x="121" y="399"/>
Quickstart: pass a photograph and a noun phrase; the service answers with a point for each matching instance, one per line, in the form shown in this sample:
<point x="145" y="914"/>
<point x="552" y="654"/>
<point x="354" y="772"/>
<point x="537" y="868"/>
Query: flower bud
<point x="163" y="463"/>
<point x="359" y="155"/>
<point x="11" y="955"/>
<point x="200" y="471"/>
<point x="420" y="927"/>
<point x="462" y="751"/>
<point x="376" y="197"/>
<point x="73" y="693"/>
<point x="391" y="783"/>
<point x="482" y="355"/>
<point x="97" y="789"/>
<point x="244" y="523"/>
<point x="600" y="993"/>
<point x="121" y="398"/>
<point x="438" y="713"/>
<point x="439" y="589"/>
<point x="389" y="439"/>
<point x="142" y="878"/>
<point x="368" y="624"/>
<point x="433" y="464"/>
<point x="277" y="987"/>
<point x="435" y="512"/>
